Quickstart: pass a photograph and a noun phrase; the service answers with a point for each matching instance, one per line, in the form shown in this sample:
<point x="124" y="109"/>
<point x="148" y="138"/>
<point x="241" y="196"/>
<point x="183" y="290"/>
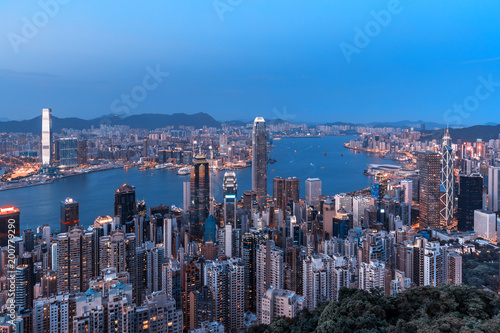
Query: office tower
<point x="186" y="192"/>
<point x="494" y="189"/>
<point x="285" y="190"/>
<point x="230" y="194"/>
<point x="430" y="168"/>
<point x="200" y="191"/>
<point x="29" y="240"/>
<point x="225" y="282"/>
<point x="125" y="206"/>
<point x="359" y="204"/>
<point x="470" y="198"/>
<point x="74" y="260"/>
<point x="223" y="147"/>
<point x="168" y="224"/>
<point x="249" y="256"/>
<point x="454" y="268"/>
<point x="343" y="201"/>
<point x="269" y="270"/>
<point x="485" y="224"/>
<point x="317" y="281"/>
<point x="313" y="191"/>
<point x="70" y="214"/>
<point x="82" y="152"/>
<point x="8" y="216"/>
<point x="259" y="160"/>
<point x="292" y="189"/>
<point x="278" y="303"/>
<point x="46" y="136"/>
<point x="372" y="275"/>
<point x="447" y="181"/>
<point x="279" y="192"/>
<point x="68" y="152"/>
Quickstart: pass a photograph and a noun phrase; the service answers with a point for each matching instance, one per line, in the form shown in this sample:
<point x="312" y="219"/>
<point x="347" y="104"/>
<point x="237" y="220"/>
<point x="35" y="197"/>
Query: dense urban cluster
<point x="256" y="256"/>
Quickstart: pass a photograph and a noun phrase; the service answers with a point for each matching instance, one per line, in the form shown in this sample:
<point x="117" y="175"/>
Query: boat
<point x="325" y="153"/>
<point x="341" y="155"/>
<point x="184" y="171"/>
<point x="163" y="166"/>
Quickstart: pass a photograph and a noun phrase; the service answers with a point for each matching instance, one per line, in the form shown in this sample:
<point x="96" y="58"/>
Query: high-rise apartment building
<point x="269" y="262"/>
<point x="74" y="260"/>
<point x="372" y="275"/>
<point x="259" y="160"/>
<point x="279" y="303"/>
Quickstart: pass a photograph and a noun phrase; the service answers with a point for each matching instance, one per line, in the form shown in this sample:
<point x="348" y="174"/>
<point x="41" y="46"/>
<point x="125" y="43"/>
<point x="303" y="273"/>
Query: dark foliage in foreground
<point x="422" y="309"/>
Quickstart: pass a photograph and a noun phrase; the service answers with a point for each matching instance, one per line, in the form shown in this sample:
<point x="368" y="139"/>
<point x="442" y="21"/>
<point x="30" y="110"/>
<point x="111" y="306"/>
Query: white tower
<point x="46" y="136"/>
<point x="447" y="181"/>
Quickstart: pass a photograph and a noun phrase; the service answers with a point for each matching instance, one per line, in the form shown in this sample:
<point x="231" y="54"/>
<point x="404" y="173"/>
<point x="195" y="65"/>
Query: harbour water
<point x="340" y="169"/>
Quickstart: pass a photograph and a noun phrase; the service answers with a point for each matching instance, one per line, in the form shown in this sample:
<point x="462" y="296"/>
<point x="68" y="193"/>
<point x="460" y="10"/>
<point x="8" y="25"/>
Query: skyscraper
<point x="186" y="193"/>
<point x="313" y="191"/>
<point x="70" y="214"/>
<point x="74" y="260"/>
<point x="470" y="198"/>
<point x="269" y="262"/>
<point x="230" y="193"/>
<point x="200" y="192"/>
<point x="259" y="160"/>
<point x="8" y="215"/>
<point x="430" y="168"/>
<point x="447" y="181"/>
<point x="494" y="189"/>
<point x="46" y="136"/>
<point x="125" y="206"/>
<point x="68" y="152"/>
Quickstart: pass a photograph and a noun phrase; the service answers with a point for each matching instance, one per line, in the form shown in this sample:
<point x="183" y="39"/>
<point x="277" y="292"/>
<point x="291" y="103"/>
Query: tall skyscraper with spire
<point x="46" y="136"/>
<point x="259" y="160"/>
<point x="447" y="181"/>
<point x="200" y="197"/>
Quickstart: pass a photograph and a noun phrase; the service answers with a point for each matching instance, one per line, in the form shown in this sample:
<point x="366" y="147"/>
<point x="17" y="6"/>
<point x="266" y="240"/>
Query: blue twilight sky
<point x="236" y="59"/>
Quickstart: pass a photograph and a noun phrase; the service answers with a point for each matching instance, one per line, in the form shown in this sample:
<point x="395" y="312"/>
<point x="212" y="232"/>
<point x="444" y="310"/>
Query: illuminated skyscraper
<point x="430" y="169"/>
<point x="494" y="189"/>
<point x="8" y="215"/>
<point x="313" y="191"/>
<point x="200" y="192"/>
<point x="68" y="152"/>
<point x="46" y="136"/>
<point x="230" y="192"/>
<point x="70" y="214"/>
<point x="447" y="181"/>
<point x="125" y="203"/>
<point x="259" y="160"/>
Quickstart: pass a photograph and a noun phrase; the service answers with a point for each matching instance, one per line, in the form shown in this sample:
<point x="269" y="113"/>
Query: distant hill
<point x="147" y="121"/>
<point x="470" y="134"/>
